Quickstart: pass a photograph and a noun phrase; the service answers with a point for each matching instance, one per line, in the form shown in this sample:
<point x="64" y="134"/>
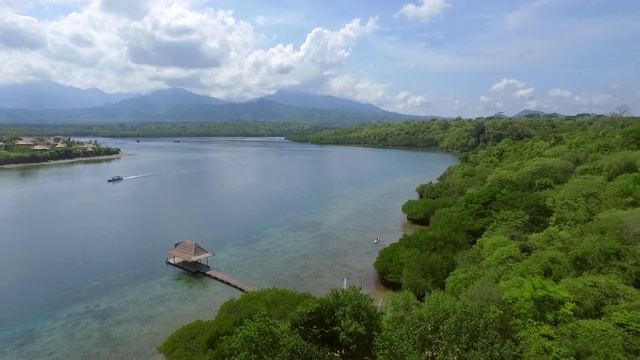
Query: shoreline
<point x="65" y="161"/>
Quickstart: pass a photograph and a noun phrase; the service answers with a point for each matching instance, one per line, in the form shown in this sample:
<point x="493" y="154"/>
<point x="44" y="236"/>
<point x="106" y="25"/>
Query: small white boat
<point x="115" y="179"/>
<point x="377" y="240"/>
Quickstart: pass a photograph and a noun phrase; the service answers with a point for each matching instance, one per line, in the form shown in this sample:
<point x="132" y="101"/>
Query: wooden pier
<point x="199" y="268"/>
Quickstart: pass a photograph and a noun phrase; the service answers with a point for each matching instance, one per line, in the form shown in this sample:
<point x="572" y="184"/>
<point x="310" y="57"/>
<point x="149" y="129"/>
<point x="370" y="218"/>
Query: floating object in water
<point x="377" y="240"/>
<point x="115" y="179"/>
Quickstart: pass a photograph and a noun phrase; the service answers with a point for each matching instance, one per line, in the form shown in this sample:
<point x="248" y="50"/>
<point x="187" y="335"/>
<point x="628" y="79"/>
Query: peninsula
<point x="18" y="151"/>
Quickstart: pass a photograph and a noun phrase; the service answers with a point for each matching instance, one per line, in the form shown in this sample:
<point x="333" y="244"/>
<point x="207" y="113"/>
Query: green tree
<point x="204" y="337"/>
<point x="592" y="294"/>
<point x="264" y="338"/>
<point x="403" y="327"/>
<point x="344" y="321"/>
<point x="536" y="301"/>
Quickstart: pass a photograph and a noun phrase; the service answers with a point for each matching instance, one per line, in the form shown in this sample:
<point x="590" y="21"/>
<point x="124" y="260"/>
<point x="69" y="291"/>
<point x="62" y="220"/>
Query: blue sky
<point x="441" y="57"/>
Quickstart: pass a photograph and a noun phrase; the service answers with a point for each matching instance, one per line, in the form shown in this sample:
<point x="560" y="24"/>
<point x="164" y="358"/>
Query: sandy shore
<point x="106" y="157"/>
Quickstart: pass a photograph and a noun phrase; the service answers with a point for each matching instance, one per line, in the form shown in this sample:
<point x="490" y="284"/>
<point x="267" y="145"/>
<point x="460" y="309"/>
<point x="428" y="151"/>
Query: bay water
<point x="82" y="261"/>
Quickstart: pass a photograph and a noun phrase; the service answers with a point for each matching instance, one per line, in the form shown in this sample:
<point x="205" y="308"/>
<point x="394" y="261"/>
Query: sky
<point x="425" y="57"/>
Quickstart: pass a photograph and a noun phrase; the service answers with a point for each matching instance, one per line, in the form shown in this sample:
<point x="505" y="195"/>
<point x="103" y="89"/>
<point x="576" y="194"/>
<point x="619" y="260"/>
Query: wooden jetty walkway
<point x="199" y="268"/>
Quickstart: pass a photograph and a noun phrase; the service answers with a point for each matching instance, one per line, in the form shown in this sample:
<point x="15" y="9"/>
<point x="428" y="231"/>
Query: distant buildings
<point x="87" y="148"/>
<point x="25" y="141"/>
<point x="49" y="140"/>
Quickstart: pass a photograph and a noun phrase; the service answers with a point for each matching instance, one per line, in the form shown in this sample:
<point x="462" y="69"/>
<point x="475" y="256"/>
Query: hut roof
<point x="189" y="251"/>
<point x="24" y="141"/>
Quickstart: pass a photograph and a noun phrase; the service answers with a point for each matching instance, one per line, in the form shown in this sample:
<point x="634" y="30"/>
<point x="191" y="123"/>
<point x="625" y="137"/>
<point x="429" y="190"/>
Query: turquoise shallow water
<point x="83" y="273"/>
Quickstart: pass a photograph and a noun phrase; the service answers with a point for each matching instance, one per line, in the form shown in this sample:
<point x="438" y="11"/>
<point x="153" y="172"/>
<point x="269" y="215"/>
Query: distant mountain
<point x="524" y="113"/>
<point x="159" y="100"/>
<point x="259" y="110"/>
<point x="183" y="106"/>
<point x="316" y="101"/>
<point x="40" y="95"/>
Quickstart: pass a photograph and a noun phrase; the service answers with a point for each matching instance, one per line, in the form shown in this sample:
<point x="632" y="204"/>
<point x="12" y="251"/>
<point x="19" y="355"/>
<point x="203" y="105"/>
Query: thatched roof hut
<point x="189" y="251"/>
<point x="25" y="141"/>
<point x="87" y="147"/>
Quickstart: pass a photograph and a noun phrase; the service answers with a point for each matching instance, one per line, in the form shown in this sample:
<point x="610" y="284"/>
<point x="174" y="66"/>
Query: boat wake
<point x="137" y="176"/>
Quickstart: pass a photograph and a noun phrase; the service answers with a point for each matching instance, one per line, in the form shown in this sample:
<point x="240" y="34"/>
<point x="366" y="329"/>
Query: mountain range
<point x="44" y="94"/>
<point x="46" y="102"/>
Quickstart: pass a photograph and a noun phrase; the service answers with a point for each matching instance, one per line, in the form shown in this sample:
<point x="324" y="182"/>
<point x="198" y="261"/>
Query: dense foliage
<point x="165" y="129"/>
<point x="532" y="250"/>
<point x="282" y="324"/>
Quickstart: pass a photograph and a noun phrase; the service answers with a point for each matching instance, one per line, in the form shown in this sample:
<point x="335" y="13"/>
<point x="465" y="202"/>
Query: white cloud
<point x="407" y="103"/>
<point x="507" y="83"/>
<point x="524" y="14"/>
<point x="519" y="88"/>
<point x="117" y="51"/>
<point x="132" y="9"/>
<point x="534" y="104"/>
<point x="560" y="94"/>
<point x="20" y="32"/>
<point x="369" y="91"/>
<point x="457" y="105"/>
<point x="129" y="46"/>
<point x="177" y="36"/>
<point x="524" y="94"/>
<point x="25" y="4"/>
<point x="426" y="10"/>
<point x="359" y="89"/>
<point x="317" y="62"/>
<point x="488" y="104"/>
<point x="594" y="99"/>
<point x="260" y="20"/>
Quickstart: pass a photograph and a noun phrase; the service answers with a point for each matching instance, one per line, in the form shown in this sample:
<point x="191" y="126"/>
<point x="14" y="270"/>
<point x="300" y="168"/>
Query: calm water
<point x="82" y="273"/>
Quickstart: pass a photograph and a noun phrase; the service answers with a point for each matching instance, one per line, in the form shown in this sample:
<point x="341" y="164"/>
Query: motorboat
<point x="137" y="140"/>
<point x="176" y="140"/>
<point x="115" y="179"/>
